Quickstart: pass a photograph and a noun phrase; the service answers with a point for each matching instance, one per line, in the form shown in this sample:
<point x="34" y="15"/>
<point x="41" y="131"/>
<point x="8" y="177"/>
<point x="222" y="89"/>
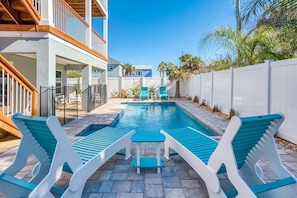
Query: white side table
<point x="142" y="162"/>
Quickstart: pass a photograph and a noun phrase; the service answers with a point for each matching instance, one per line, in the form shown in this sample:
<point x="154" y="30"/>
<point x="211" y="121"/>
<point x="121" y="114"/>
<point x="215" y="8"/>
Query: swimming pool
<point x="152" y="117"/>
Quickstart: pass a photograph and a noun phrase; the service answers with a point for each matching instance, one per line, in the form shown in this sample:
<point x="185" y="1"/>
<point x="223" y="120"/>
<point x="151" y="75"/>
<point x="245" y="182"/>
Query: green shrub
<point x="231" y="113"/>
<point x="123" y="93"/>
<point x="196" y="99"/>
<point x="151" y="91"/>
<point x="136" y="89"/>
<point x="215" y="108"/>
<point x="114" y="94"/>
<point x="203" y="103"/>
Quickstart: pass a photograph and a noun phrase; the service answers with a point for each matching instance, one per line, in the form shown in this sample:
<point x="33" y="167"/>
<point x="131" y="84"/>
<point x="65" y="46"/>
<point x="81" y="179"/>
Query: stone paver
<point x="117" y="178"/>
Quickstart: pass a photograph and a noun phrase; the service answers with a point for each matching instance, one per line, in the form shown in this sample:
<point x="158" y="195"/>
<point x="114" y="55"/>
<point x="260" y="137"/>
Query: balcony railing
<point x="70" y="22"/>
<point x="67" y="20"/>
<point x="37" y="4"/>
<point x="98" y="43"/>
<point x="104" y="2"/>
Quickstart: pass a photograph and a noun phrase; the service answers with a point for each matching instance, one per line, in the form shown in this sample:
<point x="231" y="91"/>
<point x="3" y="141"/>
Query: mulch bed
<point x="284" y="143"/>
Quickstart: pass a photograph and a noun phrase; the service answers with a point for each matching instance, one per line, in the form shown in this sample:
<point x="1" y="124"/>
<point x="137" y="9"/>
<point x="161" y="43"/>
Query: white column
<point x="47" y="16"/>
<point x="103" y="78"/>
<point x="105" y="34"/>
<point x="88" y="12"/>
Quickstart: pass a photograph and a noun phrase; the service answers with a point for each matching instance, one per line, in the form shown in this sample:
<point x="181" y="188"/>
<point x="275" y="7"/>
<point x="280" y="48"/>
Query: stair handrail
<point x="16" y="77"/>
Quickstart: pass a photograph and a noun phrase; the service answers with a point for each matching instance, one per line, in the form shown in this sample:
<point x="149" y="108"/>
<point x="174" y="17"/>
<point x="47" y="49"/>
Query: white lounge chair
<point x="74" y="98"/>
<point x="45" y="138"/>
<point x="244" y="142"/>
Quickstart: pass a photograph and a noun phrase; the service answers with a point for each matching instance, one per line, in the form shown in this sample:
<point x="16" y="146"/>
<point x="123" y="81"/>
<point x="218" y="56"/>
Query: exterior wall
<point x="47" y="48"/>
<point x="25" y="65"/>
<point x="115" y="72"/>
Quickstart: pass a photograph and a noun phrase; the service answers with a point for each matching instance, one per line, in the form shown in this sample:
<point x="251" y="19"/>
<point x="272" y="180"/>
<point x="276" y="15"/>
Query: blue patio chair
<point x="144" y="94"/>
<point x="45" y="139"/>
<point x="244" y="142"/>
<point x="163" y="93"/>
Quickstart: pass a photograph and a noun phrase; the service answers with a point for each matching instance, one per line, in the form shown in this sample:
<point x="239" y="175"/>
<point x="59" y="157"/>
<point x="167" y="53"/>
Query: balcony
<point x="67" y="21"/>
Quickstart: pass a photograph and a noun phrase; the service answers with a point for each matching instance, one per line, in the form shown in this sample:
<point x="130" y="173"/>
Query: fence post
<point x="142" y="81"/>
<point x="122" y="85"/>
<point x="231" y="87"/>
<point x="211" y="102"/>
<point x="268" y="81"/>
<point x="200" y="92"/>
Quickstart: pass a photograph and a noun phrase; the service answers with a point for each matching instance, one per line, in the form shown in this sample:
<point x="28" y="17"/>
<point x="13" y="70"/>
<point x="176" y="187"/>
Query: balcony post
<point x="47" y="12"/>
<point x="88" y="10"/>
<point x="105" y="33"/>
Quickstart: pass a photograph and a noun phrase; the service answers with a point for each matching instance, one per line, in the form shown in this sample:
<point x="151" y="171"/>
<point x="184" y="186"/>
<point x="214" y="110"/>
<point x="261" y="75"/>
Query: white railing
<point x="98" y="43"/>
<point x="67" y="20"/>
<point x="37" y="5"/>
<point x="104" y="4"/>
<point x="14" y="96"/>
<point x="16" y="93"/>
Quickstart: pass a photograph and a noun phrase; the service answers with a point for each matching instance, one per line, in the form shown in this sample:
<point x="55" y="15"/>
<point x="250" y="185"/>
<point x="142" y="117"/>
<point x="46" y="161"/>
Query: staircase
<point x="17" y="94"/>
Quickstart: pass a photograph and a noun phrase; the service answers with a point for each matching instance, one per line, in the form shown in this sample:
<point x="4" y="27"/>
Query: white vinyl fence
<point x="270" y="87"/>
<point x="115" y="84"/>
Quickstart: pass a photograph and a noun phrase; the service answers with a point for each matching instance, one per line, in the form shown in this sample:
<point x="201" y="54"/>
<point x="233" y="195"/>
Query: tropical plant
<point x="227" y="38"/>
<point x="151" y="91"/>
<point x="74" y="74"/>
<point x="274" y="13"/>
<point x="175" y="73"/>
<point x="123" y="93"/>
<point x="135" y="89"/>
<point x="114" y="94"/>
<point x="191" y="63"/>
<point x="161" y="68"/>
<point x="128" y="69"/>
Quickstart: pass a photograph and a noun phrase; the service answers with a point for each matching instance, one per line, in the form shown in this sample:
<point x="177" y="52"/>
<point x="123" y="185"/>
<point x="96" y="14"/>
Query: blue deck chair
<point x="163" y="93"/>
<point x="144" y="93"/>
<point x="45" y="139"/>
<point x="244" y="142"/>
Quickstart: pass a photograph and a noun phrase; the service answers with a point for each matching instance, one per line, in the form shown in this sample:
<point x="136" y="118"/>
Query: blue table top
<point x="147" y="137"/>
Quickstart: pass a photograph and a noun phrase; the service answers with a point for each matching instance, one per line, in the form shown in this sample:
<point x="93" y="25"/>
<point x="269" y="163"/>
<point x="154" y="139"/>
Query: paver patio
<point x="118" y="178"/>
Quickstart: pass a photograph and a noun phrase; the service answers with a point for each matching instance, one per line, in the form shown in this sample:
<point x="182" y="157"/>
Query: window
<point x="138" y="73"/>
<point x="110" y="67"/>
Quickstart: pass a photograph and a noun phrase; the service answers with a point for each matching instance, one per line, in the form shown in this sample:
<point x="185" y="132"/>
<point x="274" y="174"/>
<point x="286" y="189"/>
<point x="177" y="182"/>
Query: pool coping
<point x="115" y="107"/>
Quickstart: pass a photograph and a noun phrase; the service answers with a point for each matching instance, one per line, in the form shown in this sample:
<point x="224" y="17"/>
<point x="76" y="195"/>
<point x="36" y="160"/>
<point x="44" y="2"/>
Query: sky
<point x="147" y="32"/>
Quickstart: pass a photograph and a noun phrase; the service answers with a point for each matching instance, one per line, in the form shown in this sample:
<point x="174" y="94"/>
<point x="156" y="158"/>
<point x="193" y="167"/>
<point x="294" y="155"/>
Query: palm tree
<point x="229" y="39"/>
<point x="161" y="68"/>
<point x="274" y="13"/>
<point x="175" y="73"/>
<point x="128" y="69"/>
<point x="191" y="63"/>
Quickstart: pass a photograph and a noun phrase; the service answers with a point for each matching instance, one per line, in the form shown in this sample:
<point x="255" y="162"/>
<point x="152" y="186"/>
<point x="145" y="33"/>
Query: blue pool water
<point x="151" y="118"/>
